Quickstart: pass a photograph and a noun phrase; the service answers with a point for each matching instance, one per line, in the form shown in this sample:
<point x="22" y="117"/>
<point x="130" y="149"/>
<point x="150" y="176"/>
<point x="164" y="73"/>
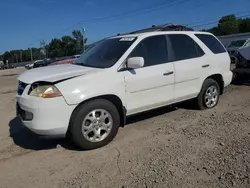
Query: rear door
<point x="152" y="85"/>
<point x="218" y="58"/>
<point x="190" y="65"/>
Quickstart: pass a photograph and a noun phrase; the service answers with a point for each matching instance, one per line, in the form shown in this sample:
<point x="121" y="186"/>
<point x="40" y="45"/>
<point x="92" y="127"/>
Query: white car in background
<point x="2" y="65"/>
<point x="122" y="76"/>
<point x="76" y="56"/>
<point x="31" y="65"/>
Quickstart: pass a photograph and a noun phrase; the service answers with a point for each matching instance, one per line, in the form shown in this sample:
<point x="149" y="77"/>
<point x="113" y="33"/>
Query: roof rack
<point x="164" y="27"/>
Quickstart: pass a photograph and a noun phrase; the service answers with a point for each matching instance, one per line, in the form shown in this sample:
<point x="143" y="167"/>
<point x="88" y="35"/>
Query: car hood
<point x="54" y="73"/>
<point x="245" y="52"/>
<point x="232" y="48"/>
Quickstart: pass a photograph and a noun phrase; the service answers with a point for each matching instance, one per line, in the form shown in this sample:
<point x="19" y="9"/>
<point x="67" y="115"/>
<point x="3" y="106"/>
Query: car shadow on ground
<point x="242" y="80"/>
<point x="26" y="139"/>
<point x="187" y="105"/>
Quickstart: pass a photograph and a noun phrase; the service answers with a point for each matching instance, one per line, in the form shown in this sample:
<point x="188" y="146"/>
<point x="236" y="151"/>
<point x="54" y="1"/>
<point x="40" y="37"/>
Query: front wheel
<point x="95" y="125"/>
<point x="209" y="94"/>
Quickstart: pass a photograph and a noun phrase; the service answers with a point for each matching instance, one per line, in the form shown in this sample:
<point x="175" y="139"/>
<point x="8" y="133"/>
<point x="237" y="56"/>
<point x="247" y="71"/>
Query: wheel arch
<point x="114" y="99"/>
<point x="219" y="79"/>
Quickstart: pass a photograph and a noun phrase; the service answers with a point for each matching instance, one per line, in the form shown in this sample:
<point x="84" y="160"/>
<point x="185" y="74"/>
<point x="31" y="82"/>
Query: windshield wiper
<point x="86" y="65"/>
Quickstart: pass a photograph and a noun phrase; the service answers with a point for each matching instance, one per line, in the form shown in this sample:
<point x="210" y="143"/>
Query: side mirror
<point x="135" y="62"/>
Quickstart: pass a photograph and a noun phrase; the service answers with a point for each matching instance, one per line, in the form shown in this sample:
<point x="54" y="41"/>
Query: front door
<point x="152" y="85"/>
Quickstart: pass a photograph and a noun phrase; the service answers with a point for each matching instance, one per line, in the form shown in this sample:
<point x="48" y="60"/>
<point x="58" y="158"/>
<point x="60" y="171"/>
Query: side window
<point x="212" y="43"/>
<point x="153" y="50"/>
<point x="184" y="47"/>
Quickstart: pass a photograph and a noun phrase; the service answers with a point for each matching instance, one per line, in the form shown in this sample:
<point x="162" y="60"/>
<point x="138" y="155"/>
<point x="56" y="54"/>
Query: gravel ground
<point x="170" y="147"/>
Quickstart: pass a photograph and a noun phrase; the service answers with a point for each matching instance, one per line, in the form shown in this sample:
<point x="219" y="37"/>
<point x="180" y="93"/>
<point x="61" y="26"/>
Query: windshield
<point x="237" y="43"/>
<point x="247" y="44"/>
<point x="106" y="53"/>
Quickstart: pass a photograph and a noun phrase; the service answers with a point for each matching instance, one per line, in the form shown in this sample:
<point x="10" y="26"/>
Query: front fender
<point x="79" y="89"/>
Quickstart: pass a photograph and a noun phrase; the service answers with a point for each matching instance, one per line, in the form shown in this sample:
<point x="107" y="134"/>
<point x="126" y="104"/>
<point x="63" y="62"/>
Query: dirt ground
<point x="170" y="147"/>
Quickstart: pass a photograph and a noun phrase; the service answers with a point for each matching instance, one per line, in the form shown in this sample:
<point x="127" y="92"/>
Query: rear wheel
<point x="95" y="125"/>
<point x="209" y="94"/>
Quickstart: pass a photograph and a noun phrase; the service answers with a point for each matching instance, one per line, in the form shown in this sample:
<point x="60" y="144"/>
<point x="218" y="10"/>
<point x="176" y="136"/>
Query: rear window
<point x="212" y="43"/>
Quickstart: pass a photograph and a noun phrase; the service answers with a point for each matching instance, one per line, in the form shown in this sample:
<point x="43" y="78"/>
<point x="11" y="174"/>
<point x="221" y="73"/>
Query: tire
<point x="202" y="97"/>
<point x="234" y="59"/>
<point x="84" y="114"/>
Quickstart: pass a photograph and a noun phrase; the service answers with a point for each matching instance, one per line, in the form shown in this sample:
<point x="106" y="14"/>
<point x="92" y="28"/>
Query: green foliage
<point x="230" y="24"/>
<point x="244" y="25"/>
<point x="58" y="47"/>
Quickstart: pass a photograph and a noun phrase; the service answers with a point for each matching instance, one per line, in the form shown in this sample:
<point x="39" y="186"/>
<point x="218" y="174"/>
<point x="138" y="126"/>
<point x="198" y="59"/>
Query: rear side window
<point x="184" y="47"/>
<point x="153" y="50"/>
<point x="212" y="43"/>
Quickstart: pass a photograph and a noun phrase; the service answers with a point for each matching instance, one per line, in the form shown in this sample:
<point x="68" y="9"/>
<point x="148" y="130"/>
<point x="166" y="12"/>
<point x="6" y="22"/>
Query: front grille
<point x="21" y="87"/>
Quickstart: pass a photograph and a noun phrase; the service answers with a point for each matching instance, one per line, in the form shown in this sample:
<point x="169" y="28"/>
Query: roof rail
<point x="164" y="27"/>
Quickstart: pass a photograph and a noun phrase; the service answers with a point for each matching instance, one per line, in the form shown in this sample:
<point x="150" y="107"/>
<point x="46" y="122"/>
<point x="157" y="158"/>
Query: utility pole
<point x="21" y="56"/>
<point x="31" y="55"/>
<point x="83" y="38"/>
<point x="43" y="49"/>
<point x="16" y="58"/>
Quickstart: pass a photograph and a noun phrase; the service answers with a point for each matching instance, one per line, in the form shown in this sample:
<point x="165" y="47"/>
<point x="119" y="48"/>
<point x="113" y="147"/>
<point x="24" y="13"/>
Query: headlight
<point x="44" y="91"/>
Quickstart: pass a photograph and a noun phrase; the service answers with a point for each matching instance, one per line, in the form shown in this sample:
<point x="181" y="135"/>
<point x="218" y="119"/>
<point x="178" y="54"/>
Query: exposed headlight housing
<point x="44" y="90"/>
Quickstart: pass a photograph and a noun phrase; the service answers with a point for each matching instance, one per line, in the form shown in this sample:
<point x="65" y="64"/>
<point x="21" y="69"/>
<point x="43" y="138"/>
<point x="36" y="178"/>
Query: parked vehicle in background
<point x="122" y="76"/>
<point x="42" y="63"/>
<point x="2" y="65"/>
<point x="242" y="66"/>
<point x="75" y="56"/>
<point x="66" y="61"/>
<point x="55" y="61"/>
<point x="31" y="65"/>
<point x="233" y="47"/>
<point x="6" y="66"/>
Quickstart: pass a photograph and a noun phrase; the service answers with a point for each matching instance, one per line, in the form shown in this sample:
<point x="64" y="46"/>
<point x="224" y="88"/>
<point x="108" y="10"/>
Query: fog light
<point x="28" y="116"/>
<point x="25" y="115"/>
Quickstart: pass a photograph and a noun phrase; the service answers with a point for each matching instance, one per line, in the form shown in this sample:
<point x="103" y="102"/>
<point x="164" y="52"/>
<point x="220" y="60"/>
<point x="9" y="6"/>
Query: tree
<point x="228" y="25"/>
<point x="244" y="25"/>
<point x="69" y="45"/>
<point x="78" y="36"/>
<point x="7" y="56"/>
<point x="58" y="47"/>
<point x="55" y="48"/>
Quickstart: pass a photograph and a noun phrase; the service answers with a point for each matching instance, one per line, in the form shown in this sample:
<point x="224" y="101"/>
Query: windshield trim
<point x="115" y="62"/>
<point x="247" y="41"/>
<point x="231" y="44"/>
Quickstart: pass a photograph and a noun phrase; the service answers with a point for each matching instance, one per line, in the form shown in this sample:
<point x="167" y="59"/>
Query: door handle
<point x="168" y="73"/>
<point x="205" y="66"/>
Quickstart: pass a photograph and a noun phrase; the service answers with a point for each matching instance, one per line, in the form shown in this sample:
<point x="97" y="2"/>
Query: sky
<point x="24" y="23"/>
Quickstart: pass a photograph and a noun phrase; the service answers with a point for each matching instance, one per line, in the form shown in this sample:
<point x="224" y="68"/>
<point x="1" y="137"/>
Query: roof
<point x="164" y="27"/>
<point x="154" y="30"/>
<point x="161" y="32"/>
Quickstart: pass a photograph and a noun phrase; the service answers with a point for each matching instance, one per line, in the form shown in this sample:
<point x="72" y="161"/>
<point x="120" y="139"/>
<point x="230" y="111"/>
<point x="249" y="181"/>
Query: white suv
<point x="122" y="75"/>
